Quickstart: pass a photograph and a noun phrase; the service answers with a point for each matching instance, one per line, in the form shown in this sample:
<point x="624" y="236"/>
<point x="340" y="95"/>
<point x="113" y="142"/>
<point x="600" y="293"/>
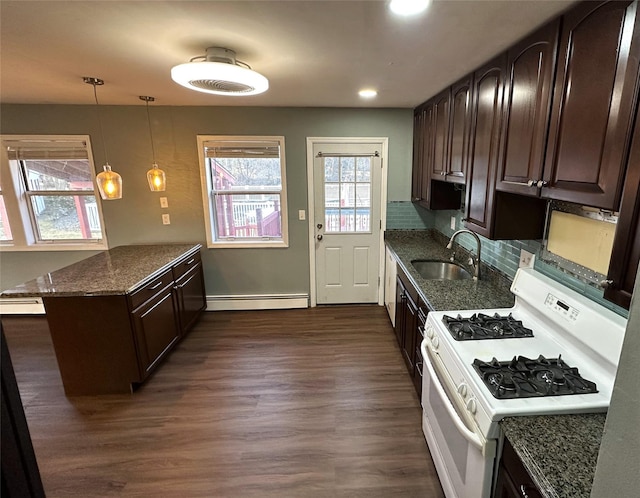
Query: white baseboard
<point x="257" y="302"/>
<point x="22" y="306"/>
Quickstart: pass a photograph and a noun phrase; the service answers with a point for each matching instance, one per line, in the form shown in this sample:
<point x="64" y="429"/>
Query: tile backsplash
<point x="503" y="255"/>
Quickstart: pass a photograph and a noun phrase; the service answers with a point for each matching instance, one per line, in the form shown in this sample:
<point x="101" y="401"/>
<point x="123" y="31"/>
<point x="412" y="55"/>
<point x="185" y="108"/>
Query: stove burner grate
<point x="526" y="378"/>
<point x="481" y="326"/>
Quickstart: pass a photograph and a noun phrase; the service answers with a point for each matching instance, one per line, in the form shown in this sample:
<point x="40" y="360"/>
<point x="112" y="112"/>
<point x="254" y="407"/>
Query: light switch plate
<point x="166" y="220"/>
<point x="164" y="203"/>
<point x="302" y="215"/>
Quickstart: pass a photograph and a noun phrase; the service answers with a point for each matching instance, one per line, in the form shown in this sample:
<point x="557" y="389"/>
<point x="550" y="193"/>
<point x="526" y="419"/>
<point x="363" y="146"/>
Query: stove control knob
<point x="462" y="389"/>
<point x="430" y="332"/>
<point x="435" y="342"/>
<point x="471" y="406"/>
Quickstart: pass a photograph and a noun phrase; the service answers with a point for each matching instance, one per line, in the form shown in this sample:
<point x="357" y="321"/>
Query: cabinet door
<point x="460" y="130"/>
<point x="401" y="298"/>
<point x="593" y="104"/>
<point x="155" y="329"/>
<point x="428" y="140"/>
<point x="487" y="110"/>
<point x="409" y="335"/>
<point x="625" y="255"/>
<point x="440" y="135"/>
<point x="190" y="297"/>
<point x="418" y="161"/>
<point x="527" y="107"/>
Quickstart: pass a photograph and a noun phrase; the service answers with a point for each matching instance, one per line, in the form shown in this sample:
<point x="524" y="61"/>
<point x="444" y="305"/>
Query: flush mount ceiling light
<point x="218" y="72"/>
<point x="408" y="7"/>
<point x="109" y="182"/>
<point x="155" y="176"/>
<point x="367" y="93"/>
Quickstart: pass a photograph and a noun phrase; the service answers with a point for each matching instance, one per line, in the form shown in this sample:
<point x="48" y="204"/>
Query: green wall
<point x="136" y="218"/>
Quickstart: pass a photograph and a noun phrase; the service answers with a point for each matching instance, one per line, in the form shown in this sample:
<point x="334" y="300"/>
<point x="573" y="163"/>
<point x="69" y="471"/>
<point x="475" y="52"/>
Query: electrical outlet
<point x="164" y="203"/>
<point x="302" y="215"/>
<point x="166" y="220"/>
<point x="453" y="223"/>
<point x="526" y="259"/>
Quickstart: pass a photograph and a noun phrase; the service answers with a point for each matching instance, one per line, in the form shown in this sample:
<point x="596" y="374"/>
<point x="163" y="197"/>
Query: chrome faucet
<point x="476" y="263"/>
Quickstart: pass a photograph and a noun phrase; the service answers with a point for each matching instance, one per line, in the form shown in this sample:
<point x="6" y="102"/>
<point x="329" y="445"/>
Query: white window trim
<point x="207" y="196"/>
<point x="22" y="230"/>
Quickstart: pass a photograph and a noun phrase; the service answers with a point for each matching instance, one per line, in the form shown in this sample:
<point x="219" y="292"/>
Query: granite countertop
<point x="560" y="452"/>
<point x="116" y="271"/>
<point x="491" y="291"/>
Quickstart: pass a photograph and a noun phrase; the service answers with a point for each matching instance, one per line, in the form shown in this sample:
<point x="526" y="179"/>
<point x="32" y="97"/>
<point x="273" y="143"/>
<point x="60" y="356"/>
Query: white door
<point x="347" y="221"/>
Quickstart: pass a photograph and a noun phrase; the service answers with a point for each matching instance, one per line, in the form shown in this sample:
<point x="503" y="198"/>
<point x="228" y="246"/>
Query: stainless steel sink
<point x="440" y="270"/>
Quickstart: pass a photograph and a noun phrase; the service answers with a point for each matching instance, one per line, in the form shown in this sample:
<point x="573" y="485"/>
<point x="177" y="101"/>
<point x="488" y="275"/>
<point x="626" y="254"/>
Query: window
<point x="243" y="183"/>
<point x="47" y="195"/>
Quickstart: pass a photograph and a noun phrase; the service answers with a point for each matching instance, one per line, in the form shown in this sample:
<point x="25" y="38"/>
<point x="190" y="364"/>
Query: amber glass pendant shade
<point x="109" y="184"/>
<point x="157" y="179"/>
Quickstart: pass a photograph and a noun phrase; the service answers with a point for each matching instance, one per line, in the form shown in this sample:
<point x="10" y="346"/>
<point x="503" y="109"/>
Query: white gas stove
<point x="554" y="352"/>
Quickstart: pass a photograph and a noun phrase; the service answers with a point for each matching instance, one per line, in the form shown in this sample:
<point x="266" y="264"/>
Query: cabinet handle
<point x="531" y="183"/>
<point x="542" y="183"/>
<point x="605" y="284"/>
<point x="155" y="286"/>
<point x="191" y="261"/>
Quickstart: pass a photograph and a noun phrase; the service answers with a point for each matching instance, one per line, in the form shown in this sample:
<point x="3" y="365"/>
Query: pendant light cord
<point x="153" y="150"/>
<point x="104" y="145"/>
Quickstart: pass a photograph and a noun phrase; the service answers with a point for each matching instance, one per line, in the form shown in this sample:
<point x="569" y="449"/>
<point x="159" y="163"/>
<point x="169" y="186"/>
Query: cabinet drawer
<point x="185" y="265"/>
<point x="143" y="294"/>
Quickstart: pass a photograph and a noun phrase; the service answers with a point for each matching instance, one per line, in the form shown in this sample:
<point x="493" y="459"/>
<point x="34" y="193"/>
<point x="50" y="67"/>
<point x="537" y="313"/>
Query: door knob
<point x="319" y="237"/>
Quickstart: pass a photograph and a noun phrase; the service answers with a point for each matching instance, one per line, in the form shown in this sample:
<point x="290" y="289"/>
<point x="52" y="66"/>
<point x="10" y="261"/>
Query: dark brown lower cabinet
<point x="410" y="319"/>
<point x="513" y="480"/>
<point x="107" y="344"/>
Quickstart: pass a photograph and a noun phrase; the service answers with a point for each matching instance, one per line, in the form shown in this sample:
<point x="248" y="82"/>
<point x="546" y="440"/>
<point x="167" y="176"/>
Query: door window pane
<point x="353" y="190"/>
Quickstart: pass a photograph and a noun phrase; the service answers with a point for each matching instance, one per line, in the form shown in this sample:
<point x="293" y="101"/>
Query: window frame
<point x="17" y="197"/>
<point x="209" y="195"/>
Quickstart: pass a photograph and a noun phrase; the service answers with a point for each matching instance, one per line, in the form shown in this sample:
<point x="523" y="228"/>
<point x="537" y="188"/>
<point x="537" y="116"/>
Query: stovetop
<point x="527" y="378"/>
<point x="566" y="327"/>
<point x="482" y="326"/>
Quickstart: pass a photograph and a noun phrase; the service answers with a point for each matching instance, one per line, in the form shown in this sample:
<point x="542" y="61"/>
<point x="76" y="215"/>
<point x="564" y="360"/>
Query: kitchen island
<point x="114" y="316"/>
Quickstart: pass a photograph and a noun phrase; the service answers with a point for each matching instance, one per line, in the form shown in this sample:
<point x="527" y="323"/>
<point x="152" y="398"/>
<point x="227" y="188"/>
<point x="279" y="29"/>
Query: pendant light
<point x="155" y="176"/>
<point x="109" y="182"/>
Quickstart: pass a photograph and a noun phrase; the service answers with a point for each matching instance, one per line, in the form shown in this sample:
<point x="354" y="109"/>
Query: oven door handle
<point x="470" y="436"/>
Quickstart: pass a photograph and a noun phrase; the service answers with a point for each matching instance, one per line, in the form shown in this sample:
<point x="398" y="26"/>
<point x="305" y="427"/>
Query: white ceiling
<point x="314" y="53"/>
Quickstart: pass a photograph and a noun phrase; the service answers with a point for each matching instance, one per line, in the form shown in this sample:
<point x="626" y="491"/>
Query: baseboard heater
<point x="22" y="306"/>
<point x="257" y="302"/>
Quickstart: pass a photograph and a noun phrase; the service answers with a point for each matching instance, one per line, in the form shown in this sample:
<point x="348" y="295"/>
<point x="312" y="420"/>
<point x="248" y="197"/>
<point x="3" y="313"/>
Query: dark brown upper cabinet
<point x="625" y="255"/>
<point x="485" y="138"/>
<point x="417" y="170"/>
<point x="440" y="162"/>
<point x="593" y="104"/>
<point x="495" y="215"/>
<point x="428" y="135"/>
<point x="527" y="107"/>
<point x="459" y="130"/>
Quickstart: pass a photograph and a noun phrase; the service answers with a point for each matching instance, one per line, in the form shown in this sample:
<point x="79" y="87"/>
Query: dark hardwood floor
<point x="292" y="403"/>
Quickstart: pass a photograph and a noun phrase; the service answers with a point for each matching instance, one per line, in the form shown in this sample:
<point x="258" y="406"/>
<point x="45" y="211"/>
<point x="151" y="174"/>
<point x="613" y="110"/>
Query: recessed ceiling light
<point x="367" y="93"/>
<point x="408" y="7"/>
